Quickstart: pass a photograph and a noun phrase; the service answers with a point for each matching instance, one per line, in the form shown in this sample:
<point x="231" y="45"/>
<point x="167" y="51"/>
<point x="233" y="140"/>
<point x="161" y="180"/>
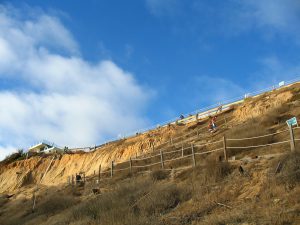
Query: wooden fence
<point x="186" y="150"/>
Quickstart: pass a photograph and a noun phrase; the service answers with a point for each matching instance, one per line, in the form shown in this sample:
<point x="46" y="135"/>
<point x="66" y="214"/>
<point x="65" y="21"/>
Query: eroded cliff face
<point x="261" y="105"/>
<point x="24" y="172"/>
<point x="21" y="173"/>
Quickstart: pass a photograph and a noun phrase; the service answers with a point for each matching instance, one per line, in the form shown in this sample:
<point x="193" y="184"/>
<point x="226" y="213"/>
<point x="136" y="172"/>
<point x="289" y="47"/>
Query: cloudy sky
<point x="78" y="73"/>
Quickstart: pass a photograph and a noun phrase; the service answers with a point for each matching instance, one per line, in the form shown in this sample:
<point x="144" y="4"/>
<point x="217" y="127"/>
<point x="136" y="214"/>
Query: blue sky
<point x="80" y="72"/>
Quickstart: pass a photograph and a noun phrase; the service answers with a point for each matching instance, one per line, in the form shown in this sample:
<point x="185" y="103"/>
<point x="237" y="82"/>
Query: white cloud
<point x="270" y="16"/>
<point x="54" y="93"/>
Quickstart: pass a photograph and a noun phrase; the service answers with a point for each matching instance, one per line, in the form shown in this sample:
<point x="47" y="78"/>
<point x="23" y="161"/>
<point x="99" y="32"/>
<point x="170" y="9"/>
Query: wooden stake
<point x="224" y="148"/>
<point x="33" y="201"/>
<point x="182" y="153"/>
<point x="193" y="155"/>
<point x="162" y="159"/>
<point x="99" y="173"/>
<point x="130" y="164"/>
<point x="292" y="138"/>
<point x="112" y="169"/>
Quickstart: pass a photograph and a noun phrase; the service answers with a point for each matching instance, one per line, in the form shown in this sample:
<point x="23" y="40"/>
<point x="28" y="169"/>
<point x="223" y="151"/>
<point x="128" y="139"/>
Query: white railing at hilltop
<point x="201" y="113"/>
<point x="206" y="110"/>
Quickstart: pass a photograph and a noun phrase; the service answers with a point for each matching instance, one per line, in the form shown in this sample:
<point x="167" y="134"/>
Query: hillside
<point x="247" y="185"/>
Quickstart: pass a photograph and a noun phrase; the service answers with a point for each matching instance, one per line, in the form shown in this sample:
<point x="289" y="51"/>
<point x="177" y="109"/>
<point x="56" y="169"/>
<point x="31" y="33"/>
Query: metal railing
<point x="202" y="113"/>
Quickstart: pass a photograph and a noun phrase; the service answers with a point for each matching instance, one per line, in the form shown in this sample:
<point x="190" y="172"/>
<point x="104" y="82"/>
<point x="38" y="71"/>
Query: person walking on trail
<point x="210" y="128"/>
<point x="220" y="108"/>
<point x="214" y="120"/>
<point x="212" y="124"/>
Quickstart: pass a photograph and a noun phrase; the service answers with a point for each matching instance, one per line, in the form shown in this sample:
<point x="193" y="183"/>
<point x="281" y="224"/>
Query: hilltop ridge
<point x="263" y="115"/>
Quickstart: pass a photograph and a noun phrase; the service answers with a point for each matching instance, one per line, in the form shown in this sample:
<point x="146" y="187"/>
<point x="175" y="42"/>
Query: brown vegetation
<point x="213" y="192"/>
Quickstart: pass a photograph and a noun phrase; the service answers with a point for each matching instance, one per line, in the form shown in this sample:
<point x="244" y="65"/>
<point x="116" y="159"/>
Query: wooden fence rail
<point x="193" y="154"/>
<point x="225" y="147"/>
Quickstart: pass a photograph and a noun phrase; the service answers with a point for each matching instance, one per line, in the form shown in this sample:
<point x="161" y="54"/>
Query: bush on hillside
<point x="14" y="156"/>
<point x="54" y="203"/>
<point x="160" y="200"/>
<point x="157" y="175"/>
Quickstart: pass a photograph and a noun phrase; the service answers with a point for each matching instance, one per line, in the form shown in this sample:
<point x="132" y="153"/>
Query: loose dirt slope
<point x="212" y="193"/>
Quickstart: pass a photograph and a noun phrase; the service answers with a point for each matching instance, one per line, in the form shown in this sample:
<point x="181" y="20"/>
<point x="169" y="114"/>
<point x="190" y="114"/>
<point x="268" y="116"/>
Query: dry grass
<point x="162" y="199"/>
<point x="135" y="202"/>
<point x="276" y="116"/>
<point x="248" y="130"/>
<point x="54" y="203"/>
<point x="3" y="199"/>
<point x="290" y="173"/>
<point x="157" y="175"/>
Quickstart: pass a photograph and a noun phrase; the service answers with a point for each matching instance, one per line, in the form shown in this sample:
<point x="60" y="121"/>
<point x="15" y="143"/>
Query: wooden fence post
<point x="182" y="153"/>
<point x="162" y="159"/>
<point x="292" y="138"/>
<point x="152" y="147"/>
<point x="130" y="164"/>
<point x="171" y="141"/>
<point x="225" y="148"/>
<point x="112" y="169"/>
<point x="193" y="155"/>
<point x="33" y="200"/>
<point x="99" y="173"/>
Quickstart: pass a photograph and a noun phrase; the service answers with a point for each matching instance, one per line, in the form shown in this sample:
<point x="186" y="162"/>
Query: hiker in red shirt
<point x="212" y="124"/>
